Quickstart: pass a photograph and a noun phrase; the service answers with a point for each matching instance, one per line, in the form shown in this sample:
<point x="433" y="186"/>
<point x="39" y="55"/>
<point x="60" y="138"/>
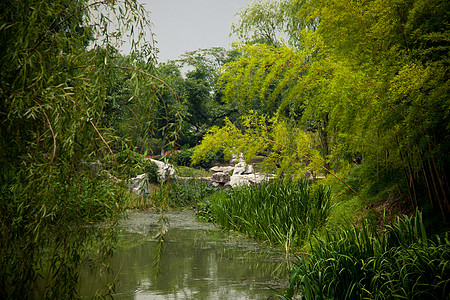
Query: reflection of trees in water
<point x="202" y="263"/>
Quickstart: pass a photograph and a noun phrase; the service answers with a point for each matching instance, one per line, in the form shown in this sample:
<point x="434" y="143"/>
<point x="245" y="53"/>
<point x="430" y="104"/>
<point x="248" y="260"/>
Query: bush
<point x="360" y="263"/>
<point x="183" y="157"/>
<point x="210" y="159"/>
<point x="203" y="211"/>
<point x="151" y="169"/>
<point x="131" y="164"/>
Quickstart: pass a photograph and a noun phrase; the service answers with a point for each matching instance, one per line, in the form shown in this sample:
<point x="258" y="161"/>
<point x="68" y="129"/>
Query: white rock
<point x="164" y="170"/>
<point x="249" y="179"/>
<point x="140" y="185"/>
<point x="242" y="168"/>
<point x="224" y="169"/>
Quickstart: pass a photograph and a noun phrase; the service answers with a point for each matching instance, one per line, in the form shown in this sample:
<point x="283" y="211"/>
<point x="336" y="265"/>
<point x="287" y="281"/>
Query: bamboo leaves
<point x="372" y="77"/>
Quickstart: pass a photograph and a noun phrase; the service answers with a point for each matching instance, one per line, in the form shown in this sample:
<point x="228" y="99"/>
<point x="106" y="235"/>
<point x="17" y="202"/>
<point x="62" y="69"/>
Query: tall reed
<point x="361" y="263"/>
<point x="281" y="212"/>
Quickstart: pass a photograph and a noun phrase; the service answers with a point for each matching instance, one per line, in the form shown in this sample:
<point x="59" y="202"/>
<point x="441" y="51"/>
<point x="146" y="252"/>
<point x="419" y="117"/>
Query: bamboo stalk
<point x="441" y="185"/>
<point x="428" y="187"/>
<point x="436" y="190"/>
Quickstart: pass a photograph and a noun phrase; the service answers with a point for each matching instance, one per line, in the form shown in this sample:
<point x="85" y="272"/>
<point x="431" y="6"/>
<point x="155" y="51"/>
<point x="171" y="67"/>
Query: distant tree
<point x="197" y="90"/>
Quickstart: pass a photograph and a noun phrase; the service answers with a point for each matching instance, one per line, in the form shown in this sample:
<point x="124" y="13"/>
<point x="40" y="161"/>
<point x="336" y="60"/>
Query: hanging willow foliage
<point x="58" y="59"/>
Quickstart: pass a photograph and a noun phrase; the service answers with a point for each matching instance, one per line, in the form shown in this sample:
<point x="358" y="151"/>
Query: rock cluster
<point x="239" y="174"/>
<point x="223" y="176"/>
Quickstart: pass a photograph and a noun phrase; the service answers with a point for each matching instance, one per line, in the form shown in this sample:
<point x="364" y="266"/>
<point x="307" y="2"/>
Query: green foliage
<point x="200" y="98"/>
<point x="284" y="213"/>
<point x="361" y="263"/>
<point x="46" y="236"/>
<point x="290" y="150"/>
<point x="58" y="60"/>
<point x="262" y="75"/>
<point x="209" y="160"/>
<point x="272" y="22"/>
<point x="258" y="22"/>
<point x="183" y="157"/>
<point x="181" y="194"/>
<point x="372" y="76"/>
<point x="130" y="164"/>
<point x="203" y="211"/>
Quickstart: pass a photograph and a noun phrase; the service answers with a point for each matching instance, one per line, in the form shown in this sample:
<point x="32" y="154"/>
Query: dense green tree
<point x="197" y="90"/>
<point x="58" y="60"/>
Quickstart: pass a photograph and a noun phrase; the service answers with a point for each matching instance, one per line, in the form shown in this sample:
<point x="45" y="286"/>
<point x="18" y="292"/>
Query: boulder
<point x="242" y="168"/>
<point x="248" y="179"/>
<point x="224" y="169"/>
<point x="140" y="185"/>
<point x="220" y="177"/>
<point x="164" y="170"/>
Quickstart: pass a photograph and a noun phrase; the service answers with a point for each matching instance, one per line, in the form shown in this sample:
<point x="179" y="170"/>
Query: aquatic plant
<point x="360" y="263"/>
<point x="284" y="213"/>
<point x="203" y="211"/>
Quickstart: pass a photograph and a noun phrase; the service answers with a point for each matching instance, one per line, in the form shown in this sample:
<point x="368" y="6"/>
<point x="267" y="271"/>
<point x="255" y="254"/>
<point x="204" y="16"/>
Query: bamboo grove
<point x="371" y="78"/>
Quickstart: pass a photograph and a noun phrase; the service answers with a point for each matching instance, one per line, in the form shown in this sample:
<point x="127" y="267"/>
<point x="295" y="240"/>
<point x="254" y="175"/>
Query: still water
<point x="198" y="261"/>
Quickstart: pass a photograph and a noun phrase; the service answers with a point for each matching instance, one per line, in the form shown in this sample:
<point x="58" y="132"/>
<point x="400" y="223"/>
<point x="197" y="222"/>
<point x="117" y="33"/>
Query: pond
<point x="199" y="261"/>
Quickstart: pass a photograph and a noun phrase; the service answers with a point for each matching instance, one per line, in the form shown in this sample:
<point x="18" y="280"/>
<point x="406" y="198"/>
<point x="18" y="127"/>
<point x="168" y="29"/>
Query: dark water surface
<point x="198" y="261"/>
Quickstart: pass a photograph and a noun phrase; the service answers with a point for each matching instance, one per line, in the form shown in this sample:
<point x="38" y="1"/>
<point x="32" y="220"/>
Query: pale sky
<point x="186" y="25"/>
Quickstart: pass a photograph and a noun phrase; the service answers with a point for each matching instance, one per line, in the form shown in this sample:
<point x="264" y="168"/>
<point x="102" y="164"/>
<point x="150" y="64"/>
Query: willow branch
<point x="51" y="129"/>
<point x="103" y="139"/>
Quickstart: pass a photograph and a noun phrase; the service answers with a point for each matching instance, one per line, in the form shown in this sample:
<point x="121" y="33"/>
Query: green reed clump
<point x="361" y="263"/>
<point x="281" y="212"/>
<point x="182" y="194"/>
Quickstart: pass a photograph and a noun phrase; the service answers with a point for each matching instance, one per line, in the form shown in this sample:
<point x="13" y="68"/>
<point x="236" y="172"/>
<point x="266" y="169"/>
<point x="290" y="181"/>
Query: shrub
<point x="203" y="211"/>
<point x="151" y="169"/>
<point x="210" y="159"/>
<point x="183" y="157"/>
<point x="131" y="164"/>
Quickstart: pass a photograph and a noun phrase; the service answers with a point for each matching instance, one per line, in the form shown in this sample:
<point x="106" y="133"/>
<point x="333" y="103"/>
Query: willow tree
<point x="57" y="58"/>
<point x="372" y="76"/>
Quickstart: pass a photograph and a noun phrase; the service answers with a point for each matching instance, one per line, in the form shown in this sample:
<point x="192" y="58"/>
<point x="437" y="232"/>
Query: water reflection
<point x="197" y="263"/>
